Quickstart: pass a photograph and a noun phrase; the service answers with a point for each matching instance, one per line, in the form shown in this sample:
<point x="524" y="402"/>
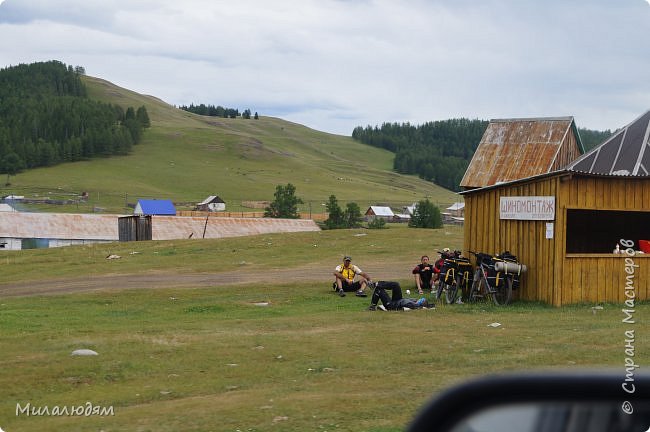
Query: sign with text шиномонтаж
<point x="527" y="207"/>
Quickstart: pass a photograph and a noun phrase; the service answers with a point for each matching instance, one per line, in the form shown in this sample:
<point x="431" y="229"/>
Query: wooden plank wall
<point x="567" y="153"/>
<point x="600" y="278"/>
<point x="553" y="276"/>
<point x="485" y="232"/>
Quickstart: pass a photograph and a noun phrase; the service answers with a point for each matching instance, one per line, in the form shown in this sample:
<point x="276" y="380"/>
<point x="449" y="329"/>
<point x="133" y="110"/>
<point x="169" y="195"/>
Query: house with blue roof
<point x="154" y="207"/>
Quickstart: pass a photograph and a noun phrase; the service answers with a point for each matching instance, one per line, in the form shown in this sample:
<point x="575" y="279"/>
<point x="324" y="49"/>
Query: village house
<point x="379" y="212"/>
<point x="212" y="204"/>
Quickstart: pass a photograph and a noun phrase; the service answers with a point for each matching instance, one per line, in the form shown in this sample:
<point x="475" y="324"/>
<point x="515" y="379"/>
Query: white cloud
<point x="333" y="64"/>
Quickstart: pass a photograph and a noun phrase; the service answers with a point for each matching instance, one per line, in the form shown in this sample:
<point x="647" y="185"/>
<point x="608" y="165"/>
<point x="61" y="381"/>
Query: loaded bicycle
<point x="455" y="275"/>
<point x="495" y="277"/>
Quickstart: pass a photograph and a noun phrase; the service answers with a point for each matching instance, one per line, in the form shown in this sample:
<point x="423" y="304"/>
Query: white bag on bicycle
<point x="509" y="267"/>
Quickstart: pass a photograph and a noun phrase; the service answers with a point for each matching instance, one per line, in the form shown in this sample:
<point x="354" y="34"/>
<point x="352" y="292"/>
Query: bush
<point x="377" y="223"/>
<point x="337" y="218"/>
<point x="426" y="215"/>
<point x="285" y="204"/>
<point x="352" y="215"/>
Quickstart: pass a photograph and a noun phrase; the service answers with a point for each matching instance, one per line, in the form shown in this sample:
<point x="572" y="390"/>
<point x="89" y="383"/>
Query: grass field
<point x="281" y="356"/>
<point x="211" y="359"/>
<point x="392" y="251"/>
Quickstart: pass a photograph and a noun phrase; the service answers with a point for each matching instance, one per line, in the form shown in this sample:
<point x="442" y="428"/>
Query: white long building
<point x="19" y="230"/>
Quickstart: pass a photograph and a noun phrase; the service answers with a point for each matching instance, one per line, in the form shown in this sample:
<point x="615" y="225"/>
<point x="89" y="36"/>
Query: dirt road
<point x="308" y="275"/>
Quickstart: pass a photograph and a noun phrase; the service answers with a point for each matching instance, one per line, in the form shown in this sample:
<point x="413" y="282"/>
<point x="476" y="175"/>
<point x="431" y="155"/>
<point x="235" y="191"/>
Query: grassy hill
<point x="185" y="157"/>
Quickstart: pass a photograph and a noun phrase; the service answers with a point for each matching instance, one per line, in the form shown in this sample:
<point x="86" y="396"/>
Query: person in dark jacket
<point x="395" y="301"/>
<point x="424" y="273"/>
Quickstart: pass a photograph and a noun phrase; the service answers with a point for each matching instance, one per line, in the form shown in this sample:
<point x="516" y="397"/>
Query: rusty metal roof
<point x="62" y="226"/>
<point x="512" y="149"/>
<point x="58" y="226"/>
<point x="626" y="152"/>
<point x="179" y="227"/>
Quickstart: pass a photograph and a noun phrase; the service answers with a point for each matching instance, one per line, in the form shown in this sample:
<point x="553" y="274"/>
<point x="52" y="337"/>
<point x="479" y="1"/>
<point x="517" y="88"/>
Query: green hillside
<point x="185" y="157"/>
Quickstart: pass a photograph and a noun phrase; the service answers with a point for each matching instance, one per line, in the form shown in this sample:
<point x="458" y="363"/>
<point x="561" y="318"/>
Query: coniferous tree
<point x="335" y="218"/>
<point x="353" y="216"/>
<point x="285" y="204"/>
<point x="591" y="138"/>
<point x="143" y="117"/>
<point x="426" y="215"/>
<point x="11" y="164"/>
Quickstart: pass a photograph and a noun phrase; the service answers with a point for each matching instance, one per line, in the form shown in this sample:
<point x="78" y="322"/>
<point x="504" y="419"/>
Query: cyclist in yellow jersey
<point x="345" y="278"/>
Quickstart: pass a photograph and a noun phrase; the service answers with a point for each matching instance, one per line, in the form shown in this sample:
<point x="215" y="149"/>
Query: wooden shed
<point x="134" y="228"/>
<point x="565" y="224"/>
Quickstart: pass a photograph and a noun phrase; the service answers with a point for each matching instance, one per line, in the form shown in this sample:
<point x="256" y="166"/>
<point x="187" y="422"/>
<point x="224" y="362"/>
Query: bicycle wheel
<point x="452" y="292"/>
<point x="440" y="289"/>
<point x="462" y="288"/>
<point x="479" y="291"/>
<point x="502" y="295"/>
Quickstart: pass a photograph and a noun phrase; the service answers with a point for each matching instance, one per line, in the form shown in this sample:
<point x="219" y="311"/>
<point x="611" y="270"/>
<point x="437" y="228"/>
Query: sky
<point x="333" y="65"/>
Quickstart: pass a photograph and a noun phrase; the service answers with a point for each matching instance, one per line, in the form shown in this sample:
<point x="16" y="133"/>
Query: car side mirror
<point x="542" y="402"/>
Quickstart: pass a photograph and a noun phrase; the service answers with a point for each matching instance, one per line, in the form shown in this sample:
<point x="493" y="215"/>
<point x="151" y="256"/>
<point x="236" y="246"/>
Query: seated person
<point x="395" y="301"/>
<point x="424" y="275"/>
<point x="345" y="274"/>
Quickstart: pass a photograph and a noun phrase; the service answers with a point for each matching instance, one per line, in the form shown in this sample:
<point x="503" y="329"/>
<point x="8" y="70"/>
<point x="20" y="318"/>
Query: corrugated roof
<point x="563" y="172"/>
<point x="63" y="226"/>
<point x="380" y="211"/>
<point x="626" y="153"/>
<point x="212" y="199"/>
<point x="410" y="209"/>
<point x="511" y="149"/>
<point x="58" y="226"/>
<point x="176" y="227"/>
<point x="456" y="206"/>
<point x="155" y="207"/>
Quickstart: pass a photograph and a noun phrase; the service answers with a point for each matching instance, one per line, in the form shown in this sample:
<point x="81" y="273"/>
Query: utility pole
<point x="206" y="224"/>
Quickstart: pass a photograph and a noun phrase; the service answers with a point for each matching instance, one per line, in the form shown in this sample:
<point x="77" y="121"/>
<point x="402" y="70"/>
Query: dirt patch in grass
<point x="303" y="274"/>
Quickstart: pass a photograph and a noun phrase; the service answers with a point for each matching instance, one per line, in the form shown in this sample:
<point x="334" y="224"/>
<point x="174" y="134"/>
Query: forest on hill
<point x="47" y="118"/>
<point x="440" y="151"/>
<point x="218" y="111"/>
